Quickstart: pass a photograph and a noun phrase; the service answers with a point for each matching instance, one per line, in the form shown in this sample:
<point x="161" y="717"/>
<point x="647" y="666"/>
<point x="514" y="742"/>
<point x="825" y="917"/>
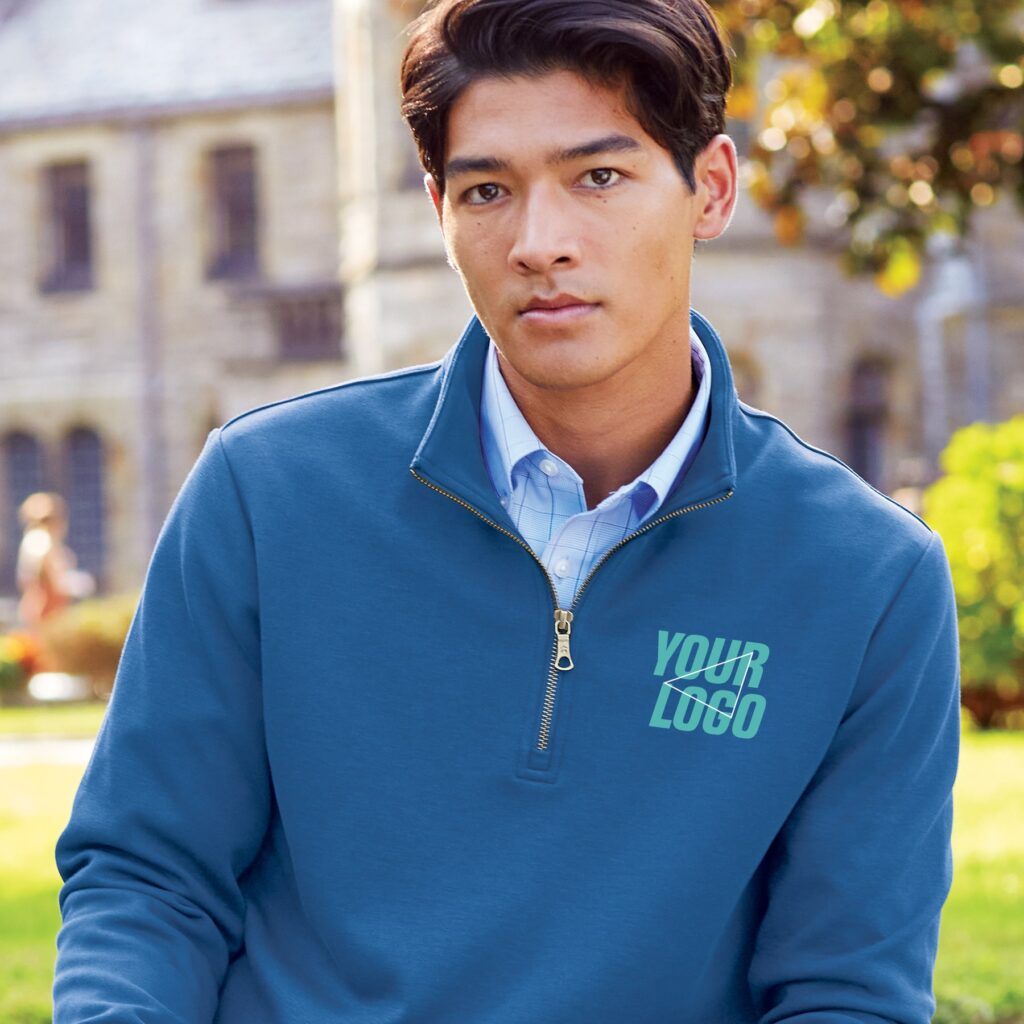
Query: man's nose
<point x="545" y="232"/>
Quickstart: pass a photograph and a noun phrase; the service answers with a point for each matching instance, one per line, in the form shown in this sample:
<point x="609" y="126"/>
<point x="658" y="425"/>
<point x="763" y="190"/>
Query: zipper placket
<point x="563" y="617"/>
<point x="549" y="695"/>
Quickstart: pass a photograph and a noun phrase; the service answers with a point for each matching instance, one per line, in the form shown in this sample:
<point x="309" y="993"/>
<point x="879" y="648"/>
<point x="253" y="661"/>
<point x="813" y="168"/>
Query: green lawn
<point x="981" y="950"/>
<point x="981" y="942"/>
<point x="34" y="804"/>
<point x="73" y="720"/>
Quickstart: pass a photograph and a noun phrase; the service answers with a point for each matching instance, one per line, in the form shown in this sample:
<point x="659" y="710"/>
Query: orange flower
<point x="24" y="649"/>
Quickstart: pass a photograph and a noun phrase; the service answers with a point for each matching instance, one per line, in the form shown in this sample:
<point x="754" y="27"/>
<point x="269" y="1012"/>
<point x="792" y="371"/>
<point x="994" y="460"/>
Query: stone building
<point x="194" y="225"/>
<point x="170" y="248"/>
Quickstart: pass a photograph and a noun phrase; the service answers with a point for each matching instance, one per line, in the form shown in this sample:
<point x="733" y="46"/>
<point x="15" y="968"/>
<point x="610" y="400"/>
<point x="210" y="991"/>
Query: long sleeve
<point x="174" y="803"/>
<point x="861" y="869"/>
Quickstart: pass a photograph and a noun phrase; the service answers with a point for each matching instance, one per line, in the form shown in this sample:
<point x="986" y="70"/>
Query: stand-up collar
<point x="451" y="456"/>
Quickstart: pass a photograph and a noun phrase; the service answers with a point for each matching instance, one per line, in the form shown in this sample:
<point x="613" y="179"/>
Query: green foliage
<point x="910" y="112"/>
<point x="12" y="668"/>
<point x="978" y="508"/>
<point x="19" y="657"/>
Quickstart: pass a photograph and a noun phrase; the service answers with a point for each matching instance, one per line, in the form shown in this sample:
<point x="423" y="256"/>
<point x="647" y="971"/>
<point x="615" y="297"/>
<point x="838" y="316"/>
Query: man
<point x="548" y="682"/>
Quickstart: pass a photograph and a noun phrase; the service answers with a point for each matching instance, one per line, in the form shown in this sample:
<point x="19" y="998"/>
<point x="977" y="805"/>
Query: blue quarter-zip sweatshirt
<point x="358" y="769"/>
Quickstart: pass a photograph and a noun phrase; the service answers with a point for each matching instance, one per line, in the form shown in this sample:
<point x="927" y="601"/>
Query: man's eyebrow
<point x="485" y="164"/>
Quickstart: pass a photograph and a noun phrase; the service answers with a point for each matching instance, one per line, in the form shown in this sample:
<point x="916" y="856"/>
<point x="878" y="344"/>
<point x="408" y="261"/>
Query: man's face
<point x="614" y="228"/>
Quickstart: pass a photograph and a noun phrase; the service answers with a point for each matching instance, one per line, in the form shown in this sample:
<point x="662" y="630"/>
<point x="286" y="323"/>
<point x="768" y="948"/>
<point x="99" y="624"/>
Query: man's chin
<point x="554" y="367"/>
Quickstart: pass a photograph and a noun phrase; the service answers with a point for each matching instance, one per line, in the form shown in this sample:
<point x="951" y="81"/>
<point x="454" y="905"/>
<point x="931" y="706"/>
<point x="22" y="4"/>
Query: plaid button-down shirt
<point x="544" y="494"/>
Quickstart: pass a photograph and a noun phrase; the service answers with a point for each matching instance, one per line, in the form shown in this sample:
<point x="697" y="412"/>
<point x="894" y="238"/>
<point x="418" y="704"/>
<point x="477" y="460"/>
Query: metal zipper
<point x="561" y="656"/>
<point x="549" y="695"/>
<point x="501" y="529"/>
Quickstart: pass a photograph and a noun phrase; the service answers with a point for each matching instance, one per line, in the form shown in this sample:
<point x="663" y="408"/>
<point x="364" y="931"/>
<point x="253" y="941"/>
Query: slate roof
<point x="70" y="60"/>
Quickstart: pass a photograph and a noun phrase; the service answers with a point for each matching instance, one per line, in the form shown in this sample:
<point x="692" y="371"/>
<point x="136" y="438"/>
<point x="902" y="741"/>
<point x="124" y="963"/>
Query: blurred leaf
<point x="902" y="269"/>
<point x="978" y="508"/>
<point x="912" y="113"/>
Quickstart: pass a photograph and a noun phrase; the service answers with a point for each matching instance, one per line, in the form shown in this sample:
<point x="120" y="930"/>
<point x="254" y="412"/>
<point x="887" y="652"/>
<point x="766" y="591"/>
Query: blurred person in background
<point x="47" y="573"/>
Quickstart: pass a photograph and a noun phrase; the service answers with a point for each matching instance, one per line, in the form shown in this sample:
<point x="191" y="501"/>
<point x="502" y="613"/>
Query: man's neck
<point x="610" y="432"/>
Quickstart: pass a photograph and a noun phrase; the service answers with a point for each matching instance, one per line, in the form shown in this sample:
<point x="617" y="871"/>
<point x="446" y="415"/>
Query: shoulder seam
<point x="219" y="442"/>
<point x="918" y="562"/>
<point x="405" y="371"/>
<point x="751" y="411"/>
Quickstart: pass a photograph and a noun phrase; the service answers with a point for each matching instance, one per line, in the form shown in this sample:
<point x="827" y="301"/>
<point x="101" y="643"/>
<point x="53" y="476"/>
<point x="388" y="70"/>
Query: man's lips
<point x="559" y="314"/>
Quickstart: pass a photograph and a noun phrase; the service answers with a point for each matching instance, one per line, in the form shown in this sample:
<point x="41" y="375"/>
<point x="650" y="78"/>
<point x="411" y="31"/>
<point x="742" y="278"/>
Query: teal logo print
<point x="712" y="686"/>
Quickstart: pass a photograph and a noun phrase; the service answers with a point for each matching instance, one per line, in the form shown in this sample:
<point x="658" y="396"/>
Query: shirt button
<point x="504" y="502"/>
<point x="562" y="567"/>
<point x="548" y="468"/>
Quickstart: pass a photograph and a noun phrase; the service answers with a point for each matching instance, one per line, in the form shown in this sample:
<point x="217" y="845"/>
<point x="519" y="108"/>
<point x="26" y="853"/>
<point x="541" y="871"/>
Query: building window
<point x="234" y="213"/>
<point x="84" y="492"/>
<point x="867" y="419"/>
<point x="308" y="324"/>
<point x="24" y="474"/>
<point x="67" y="240"/>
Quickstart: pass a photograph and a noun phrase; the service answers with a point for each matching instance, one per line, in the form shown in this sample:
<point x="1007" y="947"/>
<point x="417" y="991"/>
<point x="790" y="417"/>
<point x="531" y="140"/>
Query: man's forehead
<point x="544" y="114"/>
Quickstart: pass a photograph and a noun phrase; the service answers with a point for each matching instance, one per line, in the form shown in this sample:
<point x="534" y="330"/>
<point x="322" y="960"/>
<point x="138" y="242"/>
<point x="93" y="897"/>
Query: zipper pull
<point x="563" y="627"/>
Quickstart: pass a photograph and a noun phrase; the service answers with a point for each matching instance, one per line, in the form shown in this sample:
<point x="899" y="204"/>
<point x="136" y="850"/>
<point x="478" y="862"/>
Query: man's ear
<point x="432" y="191"/>
<point x="717" y="174"/>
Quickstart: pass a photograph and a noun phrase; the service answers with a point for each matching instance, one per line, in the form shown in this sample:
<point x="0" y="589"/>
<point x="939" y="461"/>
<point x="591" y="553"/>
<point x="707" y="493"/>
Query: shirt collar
<point x="449" y="455"/>
<point x="508" y="439"/>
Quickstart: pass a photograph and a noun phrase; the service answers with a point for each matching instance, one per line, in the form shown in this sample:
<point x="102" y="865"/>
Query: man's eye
<point x="486" y="191"/>
<point x="601" y="176"/>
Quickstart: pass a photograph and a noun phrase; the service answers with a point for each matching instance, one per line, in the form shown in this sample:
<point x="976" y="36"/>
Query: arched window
<point x="84" y="491"/>
<point x="24" y="473"/>
<point x="867" y="418"/>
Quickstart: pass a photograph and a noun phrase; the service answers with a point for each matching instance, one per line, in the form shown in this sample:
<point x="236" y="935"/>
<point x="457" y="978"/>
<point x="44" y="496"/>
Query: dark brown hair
<point x="669" y="54"/>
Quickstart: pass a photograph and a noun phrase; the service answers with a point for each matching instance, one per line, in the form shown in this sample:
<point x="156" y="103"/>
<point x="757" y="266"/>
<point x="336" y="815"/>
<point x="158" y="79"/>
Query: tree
<point x="910" y="113"/>
<point x="978" y="509"/>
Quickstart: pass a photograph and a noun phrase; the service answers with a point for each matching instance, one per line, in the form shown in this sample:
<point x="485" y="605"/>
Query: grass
<point x="35" y="801"/>
<point x="981" y="948"/>
<point x="981" y="941"/>
<point x="69" y="720"/>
